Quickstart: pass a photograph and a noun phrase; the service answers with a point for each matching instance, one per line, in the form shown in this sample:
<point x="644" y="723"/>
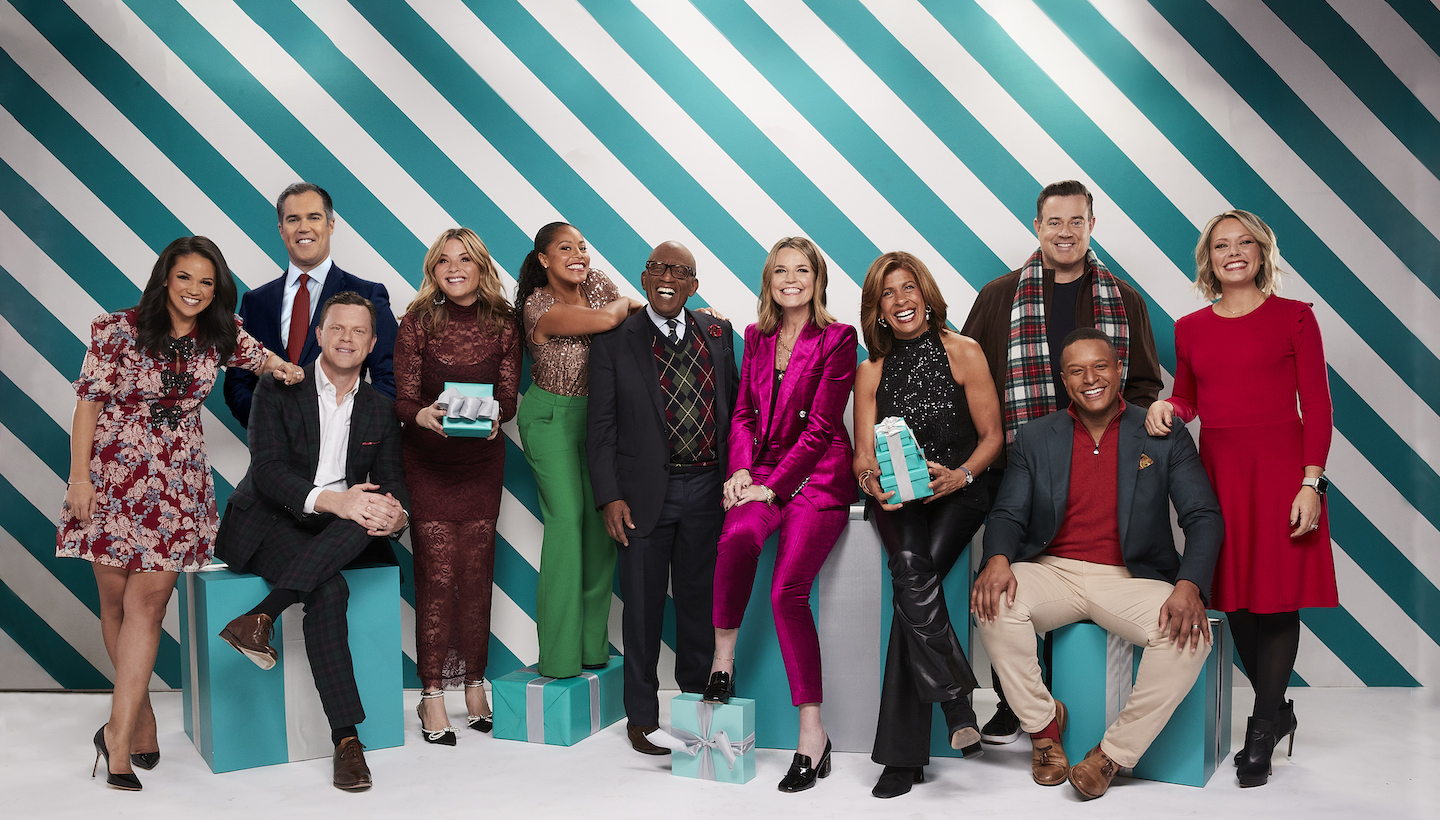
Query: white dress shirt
<point x="335" y="414"/>
<point x="660" y="322"/>
<point x="292" y="285"/>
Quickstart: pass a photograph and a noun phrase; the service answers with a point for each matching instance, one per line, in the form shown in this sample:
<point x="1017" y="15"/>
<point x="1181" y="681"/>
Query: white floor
<point x="1358" y="753"/>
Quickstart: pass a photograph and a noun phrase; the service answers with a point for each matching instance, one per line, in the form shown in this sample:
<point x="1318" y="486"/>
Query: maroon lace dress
<point x="455" y="486"/>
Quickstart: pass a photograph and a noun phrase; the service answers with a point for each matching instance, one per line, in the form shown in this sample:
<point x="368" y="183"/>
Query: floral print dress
<point x="154" y="495"/>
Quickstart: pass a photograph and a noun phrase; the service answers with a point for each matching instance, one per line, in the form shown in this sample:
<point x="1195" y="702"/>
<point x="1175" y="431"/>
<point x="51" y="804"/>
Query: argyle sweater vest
<point x="687" y="383"/>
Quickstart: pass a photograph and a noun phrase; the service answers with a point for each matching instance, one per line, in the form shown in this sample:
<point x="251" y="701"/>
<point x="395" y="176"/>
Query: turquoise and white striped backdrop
<point x="869" y="125"/>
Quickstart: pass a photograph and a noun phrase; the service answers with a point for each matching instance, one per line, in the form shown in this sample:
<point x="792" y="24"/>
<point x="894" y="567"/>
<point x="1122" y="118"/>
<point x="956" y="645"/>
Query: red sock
<point x="1051" y="731"/>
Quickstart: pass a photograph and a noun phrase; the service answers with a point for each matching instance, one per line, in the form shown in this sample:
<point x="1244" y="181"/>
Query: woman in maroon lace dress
<point x="140" y="501"/>
<point x="460" y="328"/>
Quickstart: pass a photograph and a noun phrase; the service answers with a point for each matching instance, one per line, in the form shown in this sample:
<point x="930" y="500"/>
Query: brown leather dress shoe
<point x="640" y="743"/>
<point x="1048" y="764"/>
<point x="250" y="635"/>
<point x="1092" y="776"/>
<point x="351" y="773"/>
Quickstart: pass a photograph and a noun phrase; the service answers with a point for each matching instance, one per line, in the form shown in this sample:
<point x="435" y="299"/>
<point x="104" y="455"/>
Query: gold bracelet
<point x="72" y="483"/>
<point x="864" y="476"/>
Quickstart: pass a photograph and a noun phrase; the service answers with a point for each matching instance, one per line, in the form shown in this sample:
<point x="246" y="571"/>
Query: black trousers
<point x="678" y="552"/>
<point x="307" y="556"/>
<point x="925" y="663"/>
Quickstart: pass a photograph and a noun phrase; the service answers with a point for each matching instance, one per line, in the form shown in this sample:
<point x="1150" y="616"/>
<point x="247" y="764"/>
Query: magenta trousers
<point x="807" y="535"/>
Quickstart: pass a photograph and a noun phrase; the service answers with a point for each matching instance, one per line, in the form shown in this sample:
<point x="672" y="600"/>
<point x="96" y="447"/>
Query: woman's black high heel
<point x="720" y="689"/>
<point x="442" y="737"/>
<point x="963" y="726"/>
<point x="1284" y="724"/>
<point x="802" y="775"/>
<point x="145" y="760"/>
<point x="124" y="782"/>
<point x="480" y="723"/>
<point x="1254" y="768"/>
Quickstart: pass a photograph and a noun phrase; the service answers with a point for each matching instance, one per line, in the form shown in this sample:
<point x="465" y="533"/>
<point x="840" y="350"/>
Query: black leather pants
<point x="925" y="663"/>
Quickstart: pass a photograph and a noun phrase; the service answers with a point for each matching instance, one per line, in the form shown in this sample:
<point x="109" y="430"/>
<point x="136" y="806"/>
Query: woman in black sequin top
<point x="939" y="382"/>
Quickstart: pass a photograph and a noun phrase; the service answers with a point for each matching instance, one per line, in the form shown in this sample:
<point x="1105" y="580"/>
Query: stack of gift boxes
<point x="902" y="462"/>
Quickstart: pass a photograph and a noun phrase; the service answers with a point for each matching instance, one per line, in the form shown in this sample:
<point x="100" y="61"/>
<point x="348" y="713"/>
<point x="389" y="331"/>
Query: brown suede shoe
<point x="1048" y="764"/>
<point x="351" y="773"/>
<point x="250" y="635"/>
<point x="1092" y="776"/>
<point x="640" y="743"/>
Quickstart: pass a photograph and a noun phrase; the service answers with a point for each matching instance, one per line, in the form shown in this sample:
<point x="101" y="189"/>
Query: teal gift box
<point x="241" y="716"/>
<point x="561" y="712"/>
<point x="710" y="741"/>
<point x="463" y="427"/>
<point x="1093" y="675"/>
<point x="900" y="456"/>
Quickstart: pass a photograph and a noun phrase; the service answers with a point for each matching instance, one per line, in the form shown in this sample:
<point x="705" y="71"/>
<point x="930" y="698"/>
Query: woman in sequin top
<point x="140" y="501"/>
<point x="561" y="303"/>
<point x="939" y="382"/>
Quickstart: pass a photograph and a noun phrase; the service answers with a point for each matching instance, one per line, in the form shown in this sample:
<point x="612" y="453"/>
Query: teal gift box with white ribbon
<point x="710" y="741"/>
<point x="559" y="711"/>
<point x="902" y="461"/>
<point x="470" y="409"/>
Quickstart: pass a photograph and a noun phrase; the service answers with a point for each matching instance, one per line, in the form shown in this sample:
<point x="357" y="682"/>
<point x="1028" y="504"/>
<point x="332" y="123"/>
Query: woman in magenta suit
<point x="1252" y="367"/>
<point x="789" y="470"/>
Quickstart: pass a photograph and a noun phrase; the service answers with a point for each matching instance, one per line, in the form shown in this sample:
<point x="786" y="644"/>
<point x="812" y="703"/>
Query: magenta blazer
<point x="806" y="439"/>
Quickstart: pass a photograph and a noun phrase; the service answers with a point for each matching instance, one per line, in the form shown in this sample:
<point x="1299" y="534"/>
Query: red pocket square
<point x="368" y="443"/>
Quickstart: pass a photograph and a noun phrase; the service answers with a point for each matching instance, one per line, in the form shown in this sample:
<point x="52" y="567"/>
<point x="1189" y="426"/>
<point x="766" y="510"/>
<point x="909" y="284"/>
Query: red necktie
<point x="299" y="320"/>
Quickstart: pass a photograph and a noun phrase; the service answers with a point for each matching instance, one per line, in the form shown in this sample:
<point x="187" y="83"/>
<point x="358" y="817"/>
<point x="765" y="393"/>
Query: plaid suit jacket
<point x="285" y="452"/>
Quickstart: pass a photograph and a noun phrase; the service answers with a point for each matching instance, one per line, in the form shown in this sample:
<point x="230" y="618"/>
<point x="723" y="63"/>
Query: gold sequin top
<point x="562" y="365"/>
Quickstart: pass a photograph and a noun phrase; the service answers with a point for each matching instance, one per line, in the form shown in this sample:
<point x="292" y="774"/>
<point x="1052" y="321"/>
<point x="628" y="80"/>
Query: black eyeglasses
<point x="679" y="272"/>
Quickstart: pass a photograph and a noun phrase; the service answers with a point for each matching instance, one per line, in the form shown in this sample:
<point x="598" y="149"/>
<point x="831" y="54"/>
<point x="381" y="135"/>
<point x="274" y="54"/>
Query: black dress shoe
<point x="125" y="781"/>
<point x="802" y="775"/>
<point x="1254" y="768"/>
<point x="897" y="780"/>
<point x="145" y="760"/>
<point x="1003" y="728"/>
<point x="720" y="689"/>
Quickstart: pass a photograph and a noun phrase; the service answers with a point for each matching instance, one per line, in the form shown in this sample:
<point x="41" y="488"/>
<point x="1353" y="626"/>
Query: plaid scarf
<point x="1029" y="382"/>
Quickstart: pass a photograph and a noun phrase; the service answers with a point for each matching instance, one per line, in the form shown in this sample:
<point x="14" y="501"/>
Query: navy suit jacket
<point x="260" y="311"/>
<point x="628" y="442"/>
<point x="1153" y="472"/>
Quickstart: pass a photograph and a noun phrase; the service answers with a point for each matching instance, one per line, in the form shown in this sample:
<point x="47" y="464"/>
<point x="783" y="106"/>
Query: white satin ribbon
<point x="457" y="405"/>
<point x="894" y="430"/>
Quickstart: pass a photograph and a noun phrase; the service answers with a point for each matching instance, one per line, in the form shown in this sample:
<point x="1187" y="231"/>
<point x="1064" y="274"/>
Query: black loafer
<point x="720" y="688"/>
<point x="802" y="775"/>
<point x="897" y="780"/>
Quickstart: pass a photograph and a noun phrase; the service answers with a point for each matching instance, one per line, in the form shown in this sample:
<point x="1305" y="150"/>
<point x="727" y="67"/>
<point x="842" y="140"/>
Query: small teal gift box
<point x="559" y="711"/>
<point x="471" y="410"/>
<point x="902" y="462"/>
<point x="710" y="741"/>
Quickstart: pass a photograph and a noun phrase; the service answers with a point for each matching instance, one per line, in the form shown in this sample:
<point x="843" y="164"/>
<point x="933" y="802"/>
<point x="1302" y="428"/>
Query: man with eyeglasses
<point x="1020" y="320"/>
<point x="662" y="387"/>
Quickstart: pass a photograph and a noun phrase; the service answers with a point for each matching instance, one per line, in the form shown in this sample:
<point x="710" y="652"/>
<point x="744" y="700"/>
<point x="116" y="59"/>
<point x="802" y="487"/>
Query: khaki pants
<point x="1052" y="592"/>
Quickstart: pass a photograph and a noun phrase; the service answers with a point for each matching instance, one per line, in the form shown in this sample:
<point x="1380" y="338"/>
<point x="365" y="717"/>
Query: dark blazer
<point x="805" y="437"/>
<point x="285" y="452"/>
<point x="628" y="441"/>
<point x="260" y="310"/>
<point x="1032" y="498"/>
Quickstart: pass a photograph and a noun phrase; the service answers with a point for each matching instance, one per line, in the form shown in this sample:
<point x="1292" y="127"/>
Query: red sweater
<point x="1090" y="528"/>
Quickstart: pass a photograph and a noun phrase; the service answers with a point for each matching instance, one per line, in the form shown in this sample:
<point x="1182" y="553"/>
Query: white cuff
<point x="311" y="498"/>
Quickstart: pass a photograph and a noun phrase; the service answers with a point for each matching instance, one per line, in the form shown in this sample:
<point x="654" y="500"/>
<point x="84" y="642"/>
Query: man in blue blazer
<point x="1081" y="530"/>
<point x="307" y="218"/>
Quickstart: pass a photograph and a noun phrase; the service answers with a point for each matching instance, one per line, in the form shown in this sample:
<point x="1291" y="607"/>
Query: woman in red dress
<point x="140" y="505"/>
<point x="1241" y="364"/>
<point x="460" y="328"/>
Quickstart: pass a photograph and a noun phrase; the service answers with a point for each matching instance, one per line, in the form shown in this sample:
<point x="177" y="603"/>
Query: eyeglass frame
<point x="680" y="273"/>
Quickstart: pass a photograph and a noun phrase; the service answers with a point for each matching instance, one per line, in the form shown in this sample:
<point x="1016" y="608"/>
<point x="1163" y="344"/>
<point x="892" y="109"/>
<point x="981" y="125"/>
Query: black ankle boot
<point x="963" y="726"/>
<point x="1284" y="724"/>
<point x="897" y="780"/>
<point x="1254" y="766"/>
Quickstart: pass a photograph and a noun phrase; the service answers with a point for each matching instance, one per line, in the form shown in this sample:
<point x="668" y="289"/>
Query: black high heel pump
<point x="124" y="782"/>
<point x="802" y="775"/>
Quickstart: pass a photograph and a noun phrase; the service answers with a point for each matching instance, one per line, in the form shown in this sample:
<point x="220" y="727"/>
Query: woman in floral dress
<point x="140" y="501"/>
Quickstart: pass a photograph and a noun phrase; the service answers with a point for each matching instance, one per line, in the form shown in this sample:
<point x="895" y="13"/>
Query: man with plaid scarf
<point x="1021" y="317"/>
<point x="662" y="389"/>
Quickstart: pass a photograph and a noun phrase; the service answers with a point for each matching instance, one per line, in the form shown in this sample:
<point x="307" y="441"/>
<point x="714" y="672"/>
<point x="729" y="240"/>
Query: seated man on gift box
<point x="324" y="486"/>
<point x="1081" y="530"/>
<point x="662" y="387"/>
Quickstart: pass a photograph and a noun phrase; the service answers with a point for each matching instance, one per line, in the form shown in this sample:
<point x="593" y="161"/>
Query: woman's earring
<point x="882" y="323"/>
<point x="438" y="300"/>
<point x="927" y="313"/>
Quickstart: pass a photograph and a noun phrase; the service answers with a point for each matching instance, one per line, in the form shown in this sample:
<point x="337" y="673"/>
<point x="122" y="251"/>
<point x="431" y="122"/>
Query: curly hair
<point x="429" y="304"/>
<point x="215" y="325"/>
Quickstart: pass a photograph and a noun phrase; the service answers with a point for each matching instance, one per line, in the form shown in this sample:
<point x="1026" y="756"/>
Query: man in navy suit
<point x="307" y="218"/>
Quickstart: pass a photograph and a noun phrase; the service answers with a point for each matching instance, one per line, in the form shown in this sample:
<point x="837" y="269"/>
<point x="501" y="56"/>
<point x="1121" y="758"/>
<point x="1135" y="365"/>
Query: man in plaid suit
<point x="662" y="388"/>
<point x="325" y="486"/>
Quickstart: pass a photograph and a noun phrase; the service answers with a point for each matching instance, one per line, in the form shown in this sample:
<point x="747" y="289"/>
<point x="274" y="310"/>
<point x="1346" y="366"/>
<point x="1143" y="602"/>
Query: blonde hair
<point x="429" y="303"/>
<point x="1267" y="280"/>
<point x="878" y="338"/>
<point x="769" y="312"/>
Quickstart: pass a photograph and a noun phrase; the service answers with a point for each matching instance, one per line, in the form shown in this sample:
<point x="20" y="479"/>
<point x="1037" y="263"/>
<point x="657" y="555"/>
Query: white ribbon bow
<point x="457" y="405"/>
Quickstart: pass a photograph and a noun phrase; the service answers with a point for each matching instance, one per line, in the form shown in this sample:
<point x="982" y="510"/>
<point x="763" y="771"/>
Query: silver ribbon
<point x="535" y="704"/>
<point x="457" y="405"/>
<point x="704" y="744"/>
<point x="894" y="429"/>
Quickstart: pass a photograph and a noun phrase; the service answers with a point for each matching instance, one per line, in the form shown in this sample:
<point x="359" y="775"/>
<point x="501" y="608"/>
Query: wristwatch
<point x="1319" y="485"/>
